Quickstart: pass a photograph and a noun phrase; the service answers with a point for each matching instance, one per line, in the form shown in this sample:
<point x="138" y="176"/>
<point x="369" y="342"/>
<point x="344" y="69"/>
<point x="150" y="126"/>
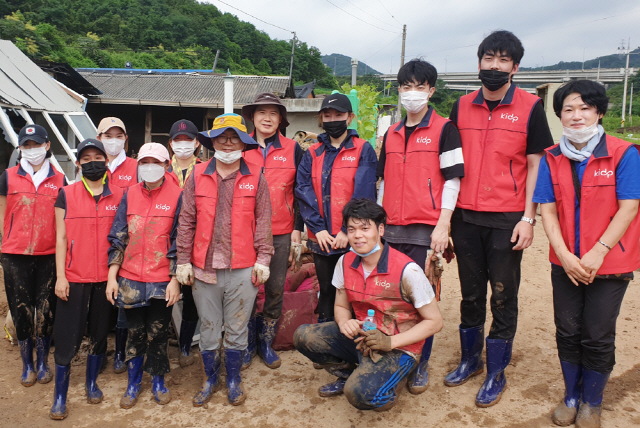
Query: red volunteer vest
<point x="412" y="175"/>
<point x="494" y="147"/>
<point x="343" y="176"/>
<point x="598" y="206"/>
<point x="126" y="174"/>
<point x="88" y="224"/>
<point x="150" y="216"/>
<point x="280" y="171"/>
<point x="243" y="218"/>
<point x="382" y="292"/>
<point x="30" y="220"/>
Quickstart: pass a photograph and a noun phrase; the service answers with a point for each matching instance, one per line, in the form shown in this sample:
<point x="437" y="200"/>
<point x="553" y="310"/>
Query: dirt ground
<point x="287" y="397"/>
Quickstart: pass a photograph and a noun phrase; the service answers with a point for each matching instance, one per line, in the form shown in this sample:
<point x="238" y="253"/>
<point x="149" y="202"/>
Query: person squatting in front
<point x="84" y="215"/>
<point x="372" y="277"/>
<point x="339" y="167"/>
<point x="28" y="192"/>
<point x="504" y="132"/>
<point x="224" y="249"/>
<point x="588" y="187"/>
<point x="421" y="164"/>
<point x="142" y="270"/>
<point x="279" y="158"/>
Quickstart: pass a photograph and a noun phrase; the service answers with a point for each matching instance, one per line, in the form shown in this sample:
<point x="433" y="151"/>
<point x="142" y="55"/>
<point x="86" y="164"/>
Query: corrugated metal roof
<point x="183" y="89"/>
<point x="24" y="84"/>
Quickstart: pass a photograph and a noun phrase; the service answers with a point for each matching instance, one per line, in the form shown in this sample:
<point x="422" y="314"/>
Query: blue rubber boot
<point x="130" y="397"/>
<point x="94" y="363"/>
<point x="267" y="328"/>
<point x="187" y="329"/>
<point x="498" y="358"/>
<point x="59" y="408"/>
<point x="233" y="364"/>
<point x="471" y="344"/>
<point x="342" y="371"/>
<point x="29" y="376"/>
<point x="211" y="384"/>
<point x="418" y="381"/>
<point x="565" y="414"/>
<point x="251" y="350"/>
<point x="593" y="384"/>
<point x="160" y="392"/>
<point x="119" y="365"/>
<point x="42" y="359"/>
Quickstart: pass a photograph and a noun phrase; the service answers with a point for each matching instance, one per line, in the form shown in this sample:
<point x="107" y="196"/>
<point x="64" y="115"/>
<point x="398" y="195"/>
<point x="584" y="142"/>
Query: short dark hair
<point x="364" y="209"/>
<point x="592" y="93"/>
<point x="419" y="70"/>
<point x="502" y="42"/>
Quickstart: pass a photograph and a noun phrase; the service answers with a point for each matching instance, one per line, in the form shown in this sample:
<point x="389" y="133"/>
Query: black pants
<point x="86" y="303"/>
<point x="189" y="310"/>
<point x="485" y="254"/>
<point x="149" y="334"/>
<point x="325" y="265"/>
<point x="585" y="319"/>
<point x="417" y="253"/>
<point x="29" y="282"/>
<point x="274" y="287"/>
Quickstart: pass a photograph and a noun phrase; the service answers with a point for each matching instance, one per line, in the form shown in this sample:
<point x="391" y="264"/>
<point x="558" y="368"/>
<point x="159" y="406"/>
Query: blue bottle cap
<point x="371" y="312"/>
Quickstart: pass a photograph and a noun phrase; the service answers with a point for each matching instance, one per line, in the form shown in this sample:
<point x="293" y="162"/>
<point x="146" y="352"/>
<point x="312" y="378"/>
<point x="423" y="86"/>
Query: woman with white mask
<point x="27" y="196"/>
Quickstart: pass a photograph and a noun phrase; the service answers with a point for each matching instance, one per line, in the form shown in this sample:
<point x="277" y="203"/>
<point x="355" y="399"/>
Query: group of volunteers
<point x="141" y="234"/>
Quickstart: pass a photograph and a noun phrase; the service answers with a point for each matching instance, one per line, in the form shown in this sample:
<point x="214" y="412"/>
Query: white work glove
<point x="260" y="274"/>
<point x="294" y="256"/>
<point x="184" y="274"/>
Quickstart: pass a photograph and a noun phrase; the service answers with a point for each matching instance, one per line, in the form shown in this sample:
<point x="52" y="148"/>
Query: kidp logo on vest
<point x="382" y="283"/>
<point x="348" y="158"/>
<point x="246" y="186"/>
<point x="111" y="208"/>
<point x="125" y="177"/>
<point x="509" y="116"/>
<point x="50" y="186"/>
<point x="280" y="158"/>
<point x="163" y="207"/>
<point x="603" y="173"/>
<point x="423" y="140"/>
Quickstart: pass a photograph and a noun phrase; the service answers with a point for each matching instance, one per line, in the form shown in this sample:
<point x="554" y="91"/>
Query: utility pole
<point x="293" y="48"/>
<point x="215" y="61"/>
<point x="404" y="38"/>
<point x="630" y="106"/>
<point x="626" y="77"/>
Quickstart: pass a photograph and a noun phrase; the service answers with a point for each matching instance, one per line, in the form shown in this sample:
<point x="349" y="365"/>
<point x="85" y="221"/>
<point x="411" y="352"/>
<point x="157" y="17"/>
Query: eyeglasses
<point x="223" y="140"/>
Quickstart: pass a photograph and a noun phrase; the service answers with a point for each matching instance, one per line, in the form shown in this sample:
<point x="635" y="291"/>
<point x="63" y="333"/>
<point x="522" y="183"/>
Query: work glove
<point x="294" y="256"/>
<point x="260" y="274"/>
<point x="184" y="274"/>
<point x="433" y="270"/>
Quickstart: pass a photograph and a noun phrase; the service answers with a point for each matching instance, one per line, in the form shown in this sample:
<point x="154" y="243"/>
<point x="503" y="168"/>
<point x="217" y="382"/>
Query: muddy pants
<point x="371" y="385"/>
<point x="149" y="335"/>
<point x="585" y="318"/>
<point x="228" y="303"/>
<point x="29" y="282"/>
<point x="274" y="287"/>
<point x="325" y="265"/>
<point x="86" y="303"/>
<point x="485" y="254"/>
<point x="189" y="310"/>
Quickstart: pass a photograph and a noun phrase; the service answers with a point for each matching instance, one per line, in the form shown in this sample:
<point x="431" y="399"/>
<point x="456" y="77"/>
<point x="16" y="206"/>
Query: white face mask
<point x="113" y="146"/>
<point x="414" y="101"/>
<point x="151" y="172"/>
<point x="582" y="135"/>
<point x="34" y="156"/>
<point x="183" y="149"/>
<point x="229" y="157"/>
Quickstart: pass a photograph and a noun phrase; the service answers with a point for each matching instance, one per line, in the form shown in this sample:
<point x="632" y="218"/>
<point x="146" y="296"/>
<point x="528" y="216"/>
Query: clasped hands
<point x="368" y="341"/>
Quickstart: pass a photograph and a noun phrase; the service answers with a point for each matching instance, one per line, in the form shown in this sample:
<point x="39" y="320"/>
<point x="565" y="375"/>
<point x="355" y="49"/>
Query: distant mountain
<point x="342" y="65"/>
<point x="607" y="61"/>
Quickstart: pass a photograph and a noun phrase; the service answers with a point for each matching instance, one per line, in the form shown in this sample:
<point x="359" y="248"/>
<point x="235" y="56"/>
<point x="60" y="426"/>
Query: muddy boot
<point x="498" y="358"/>
<point x="565" y="414"/>
<point x="187" y="328"/>
<point x="342" y="371"/>
<point x="266" y="333"/>
<point x="130" y="397"/>
<point x="42" y="359"/>
<point x="94" y="362"/>
<point x="211" y="384"/>
<point x="59" y="408"/>
<point x="418" y="381"/>
<point x="160" y="392"/>
<point x="250" y="352"/>
<point x="471" y="344"/>
<point x="593" y="384"/>
<point x="29" y="376"/>
<point x="119" y="365"/>
<point x="233" y="364"/>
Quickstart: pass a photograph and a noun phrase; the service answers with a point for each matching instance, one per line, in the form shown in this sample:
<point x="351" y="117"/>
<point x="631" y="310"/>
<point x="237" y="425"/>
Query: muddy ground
<point x="287" y="397"/>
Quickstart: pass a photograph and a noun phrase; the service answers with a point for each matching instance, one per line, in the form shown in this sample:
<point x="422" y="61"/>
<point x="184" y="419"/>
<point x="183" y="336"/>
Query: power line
<point x="379" y="50"/>
<point x="360" y="19"/>
<point x="254" y="17"/>
<point x="367" y="13"/>
<point x="384" y="7"/>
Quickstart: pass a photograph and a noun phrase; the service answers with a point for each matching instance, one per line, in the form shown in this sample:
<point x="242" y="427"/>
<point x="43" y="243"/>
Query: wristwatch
<point x="531" y="221"/>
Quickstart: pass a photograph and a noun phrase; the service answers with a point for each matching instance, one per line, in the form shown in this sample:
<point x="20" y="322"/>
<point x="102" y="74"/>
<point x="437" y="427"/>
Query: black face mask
<point x="94" y="170"/>
<point x="335" y="129"/>
<point x="494" y="79"/>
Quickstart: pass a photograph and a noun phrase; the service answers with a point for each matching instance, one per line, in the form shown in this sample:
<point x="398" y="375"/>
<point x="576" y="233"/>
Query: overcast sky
<point x="447" y="32"/>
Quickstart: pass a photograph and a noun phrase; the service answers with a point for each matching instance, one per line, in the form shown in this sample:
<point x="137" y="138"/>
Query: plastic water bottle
<point x="370" y="321"/>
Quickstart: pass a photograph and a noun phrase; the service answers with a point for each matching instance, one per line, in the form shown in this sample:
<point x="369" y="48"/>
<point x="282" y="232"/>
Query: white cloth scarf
<point x="117" y="161"/>
<point x="570" y="151"/>
<point x="37" y="177"/>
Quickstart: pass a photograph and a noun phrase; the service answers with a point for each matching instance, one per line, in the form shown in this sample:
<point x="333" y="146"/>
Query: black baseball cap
<point x="183" y="127"/>
<point x="89" y="143"/>
<point x="33" y="132"/>
<point x="338" y="102"/>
